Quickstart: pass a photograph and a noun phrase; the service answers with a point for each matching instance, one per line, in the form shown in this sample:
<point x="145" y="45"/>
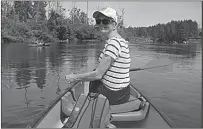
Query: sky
<point x="143" y="14"/>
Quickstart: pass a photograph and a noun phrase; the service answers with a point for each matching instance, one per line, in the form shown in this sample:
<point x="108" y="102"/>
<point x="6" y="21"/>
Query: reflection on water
<point x="34" y="76"/>
<point x="184" y="50"/>
<point x="27" y="102"/>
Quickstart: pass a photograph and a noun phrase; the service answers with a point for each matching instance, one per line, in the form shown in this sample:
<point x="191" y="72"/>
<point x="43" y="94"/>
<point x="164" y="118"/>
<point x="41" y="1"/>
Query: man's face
<point x="105" y="24"/>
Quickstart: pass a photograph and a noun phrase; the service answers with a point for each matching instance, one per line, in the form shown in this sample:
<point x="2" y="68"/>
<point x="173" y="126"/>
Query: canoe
<point x="39" y="45"/>
<point x="137" y="113"/>
<point x="64" y="41"/>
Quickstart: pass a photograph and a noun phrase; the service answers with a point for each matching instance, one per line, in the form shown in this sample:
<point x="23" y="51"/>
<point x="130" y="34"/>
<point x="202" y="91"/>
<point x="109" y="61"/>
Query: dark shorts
<point x="114" y="97"/>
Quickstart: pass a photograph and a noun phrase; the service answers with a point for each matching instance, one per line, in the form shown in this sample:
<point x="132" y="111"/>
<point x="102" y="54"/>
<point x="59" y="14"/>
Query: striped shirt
<point x="117" y="76"/>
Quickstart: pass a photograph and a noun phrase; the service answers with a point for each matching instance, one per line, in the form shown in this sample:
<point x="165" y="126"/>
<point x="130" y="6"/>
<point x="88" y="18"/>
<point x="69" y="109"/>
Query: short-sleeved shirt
<point x="117" y="76"/>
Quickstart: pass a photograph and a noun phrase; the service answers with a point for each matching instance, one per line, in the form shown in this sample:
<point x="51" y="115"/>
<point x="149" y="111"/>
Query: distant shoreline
<point x="136" y="40"/>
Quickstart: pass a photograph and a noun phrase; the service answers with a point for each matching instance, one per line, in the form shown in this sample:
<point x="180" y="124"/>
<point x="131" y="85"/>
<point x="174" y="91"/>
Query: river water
<point x="34" y="76"/>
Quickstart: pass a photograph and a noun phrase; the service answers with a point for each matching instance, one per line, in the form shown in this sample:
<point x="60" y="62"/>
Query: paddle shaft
<point x="138" y="69"/>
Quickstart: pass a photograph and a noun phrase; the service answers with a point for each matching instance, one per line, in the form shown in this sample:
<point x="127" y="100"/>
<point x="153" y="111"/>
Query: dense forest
<point x="26" y="21"/>
<point x="172" y="31"/>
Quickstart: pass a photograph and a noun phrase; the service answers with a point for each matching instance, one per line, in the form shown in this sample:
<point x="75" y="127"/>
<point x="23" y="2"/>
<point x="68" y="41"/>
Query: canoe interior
<point x="52" y="116"/>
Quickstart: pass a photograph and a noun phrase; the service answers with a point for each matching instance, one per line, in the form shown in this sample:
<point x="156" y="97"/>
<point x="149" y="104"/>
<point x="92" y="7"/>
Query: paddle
<point x="158" y="66"/>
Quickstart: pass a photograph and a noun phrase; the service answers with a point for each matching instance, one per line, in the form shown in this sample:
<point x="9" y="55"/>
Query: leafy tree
<point x="39" y="11"/>
<point x="23" y="9"/>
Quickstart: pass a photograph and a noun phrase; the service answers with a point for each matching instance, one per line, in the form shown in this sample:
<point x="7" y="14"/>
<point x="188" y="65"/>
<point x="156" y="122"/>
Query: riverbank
<point x="58" y="29"/>
<point x="27" y="22"/>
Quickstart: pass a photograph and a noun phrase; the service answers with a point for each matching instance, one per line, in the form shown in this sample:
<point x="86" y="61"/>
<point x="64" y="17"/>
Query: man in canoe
<point x="111" y="77"/>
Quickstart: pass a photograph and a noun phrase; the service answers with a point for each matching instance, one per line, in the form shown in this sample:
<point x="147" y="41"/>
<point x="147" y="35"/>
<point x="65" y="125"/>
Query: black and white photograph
<point x="101" y="64"/>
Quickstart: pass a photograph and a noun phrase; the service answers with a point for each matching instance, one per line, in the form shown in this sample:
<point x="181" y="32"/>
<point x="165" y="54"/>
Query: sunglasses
<point x="103" y="21"/>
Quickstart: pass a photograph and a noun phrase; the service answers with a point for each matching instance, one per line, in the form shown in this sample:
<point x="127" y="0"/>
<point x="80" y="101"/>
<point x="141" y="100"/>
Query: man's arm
<point x="111" y="53"/>
<point x="103" y="66"/>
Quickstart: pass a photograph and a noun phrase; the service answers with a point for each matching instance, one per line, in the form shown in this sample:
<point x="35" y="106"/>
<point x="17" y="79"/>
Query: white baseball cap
<point x="109" y="12"/>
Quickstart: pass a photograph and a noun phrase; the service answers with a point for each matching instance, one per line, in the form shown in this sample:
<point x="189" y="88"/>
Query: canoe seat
<point x="134" y="110"/>
<point x="133" y="104"/>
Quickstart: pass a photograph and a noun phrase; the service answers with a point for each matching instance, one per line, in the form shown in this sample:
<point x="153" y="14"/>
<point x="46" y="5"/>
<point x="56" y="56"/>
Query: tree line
<point x="26" y="21"/>
<point x="179" y="31"/>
